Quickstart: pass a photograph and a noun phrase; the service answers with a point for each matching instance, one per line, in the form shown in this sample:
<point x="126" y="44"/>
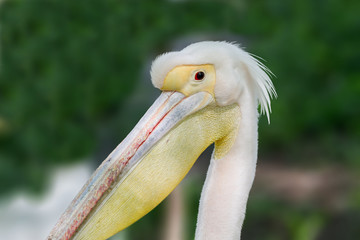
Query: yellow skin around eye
<point x="182" y="79"/>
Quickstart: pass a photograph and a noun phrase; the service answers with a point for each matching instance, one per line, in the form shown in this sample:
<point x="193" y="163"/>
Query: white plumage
<point x="233" y="66"/>
<point x="241" y="79"/>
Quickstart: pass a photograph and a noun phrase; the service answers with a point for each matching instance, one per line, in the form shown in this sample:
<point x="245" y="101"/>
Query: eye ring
<point x="199" y="75"/>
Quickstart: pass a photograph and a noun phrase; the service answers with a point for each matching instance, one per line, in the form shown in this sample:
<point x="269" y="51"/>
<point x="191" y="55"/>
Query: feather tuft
<point x="228" y="59"/>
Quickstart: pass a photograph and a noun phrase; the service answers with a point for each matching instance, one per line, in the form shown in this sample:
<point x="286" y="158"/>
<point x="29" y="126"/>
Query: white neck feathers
<point x="229" y="180"/>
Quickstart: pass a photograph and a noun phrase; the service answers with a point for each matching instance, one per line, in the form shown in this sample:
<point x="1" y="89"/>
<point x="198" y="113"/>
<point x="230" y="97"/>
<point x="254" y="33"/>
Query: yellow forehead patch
<point x="183" y="79"/>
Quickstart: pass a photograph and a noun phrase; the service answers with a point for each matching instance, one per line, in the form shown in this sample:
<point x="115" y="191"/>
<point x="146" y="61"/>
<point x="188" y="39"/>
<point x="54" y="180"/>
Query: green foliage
<point x="316" y="65"/>
<point x="67" y="66"/>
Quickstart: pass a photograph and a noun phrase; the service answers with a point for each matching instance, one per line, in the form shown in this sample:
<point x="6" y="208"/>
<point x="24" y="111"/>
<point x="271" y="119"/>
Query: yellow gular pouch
<point x="190" y="79"/>
<point x="162" y="169"/>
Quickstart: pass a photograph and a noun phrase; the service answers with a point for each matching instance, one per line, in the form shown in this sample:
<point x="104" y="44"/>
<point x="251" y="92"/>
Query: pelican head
<point x="210" y="94"/>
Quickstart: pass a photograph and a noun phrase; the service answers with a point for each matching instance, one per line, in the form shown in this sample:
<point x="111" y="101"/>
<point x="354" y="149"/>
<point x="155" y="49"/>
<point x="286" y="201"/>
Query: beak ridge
<point x="167" y="111"/>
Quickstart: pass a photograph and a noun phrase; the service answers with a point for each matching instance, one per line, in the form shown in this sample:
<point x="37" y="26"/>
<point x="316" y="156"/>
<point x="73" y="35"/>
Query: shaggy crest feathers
<point x="229" y="61"/>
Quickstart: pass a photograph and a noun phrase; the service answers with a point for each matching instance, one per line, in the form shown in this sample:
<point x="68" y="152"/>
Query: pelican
<point x="210" y="94"/>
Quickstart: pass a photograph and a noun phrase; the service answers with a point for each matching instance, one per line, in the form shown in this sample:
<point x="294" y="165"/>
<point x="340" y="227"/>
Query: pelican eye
<point x="199" y="75"/>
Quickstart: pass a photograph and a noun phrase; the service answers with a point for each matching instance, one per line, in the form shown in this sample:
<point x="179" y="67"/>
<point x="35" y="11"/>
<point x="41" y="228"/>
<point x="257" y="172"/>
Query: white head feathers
<point x="234" y="68"/>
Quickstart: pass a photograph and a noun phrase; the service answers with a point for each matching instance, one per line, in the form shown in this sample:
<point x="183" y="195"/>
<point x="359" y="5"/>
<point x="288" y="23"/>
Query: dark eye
<point x="199" y="75"/>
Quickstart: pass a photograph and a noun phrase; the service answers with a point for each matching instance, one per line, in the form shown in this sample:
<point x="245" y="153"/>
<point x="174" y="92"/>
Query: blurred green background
<point x="73" y="78"/>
